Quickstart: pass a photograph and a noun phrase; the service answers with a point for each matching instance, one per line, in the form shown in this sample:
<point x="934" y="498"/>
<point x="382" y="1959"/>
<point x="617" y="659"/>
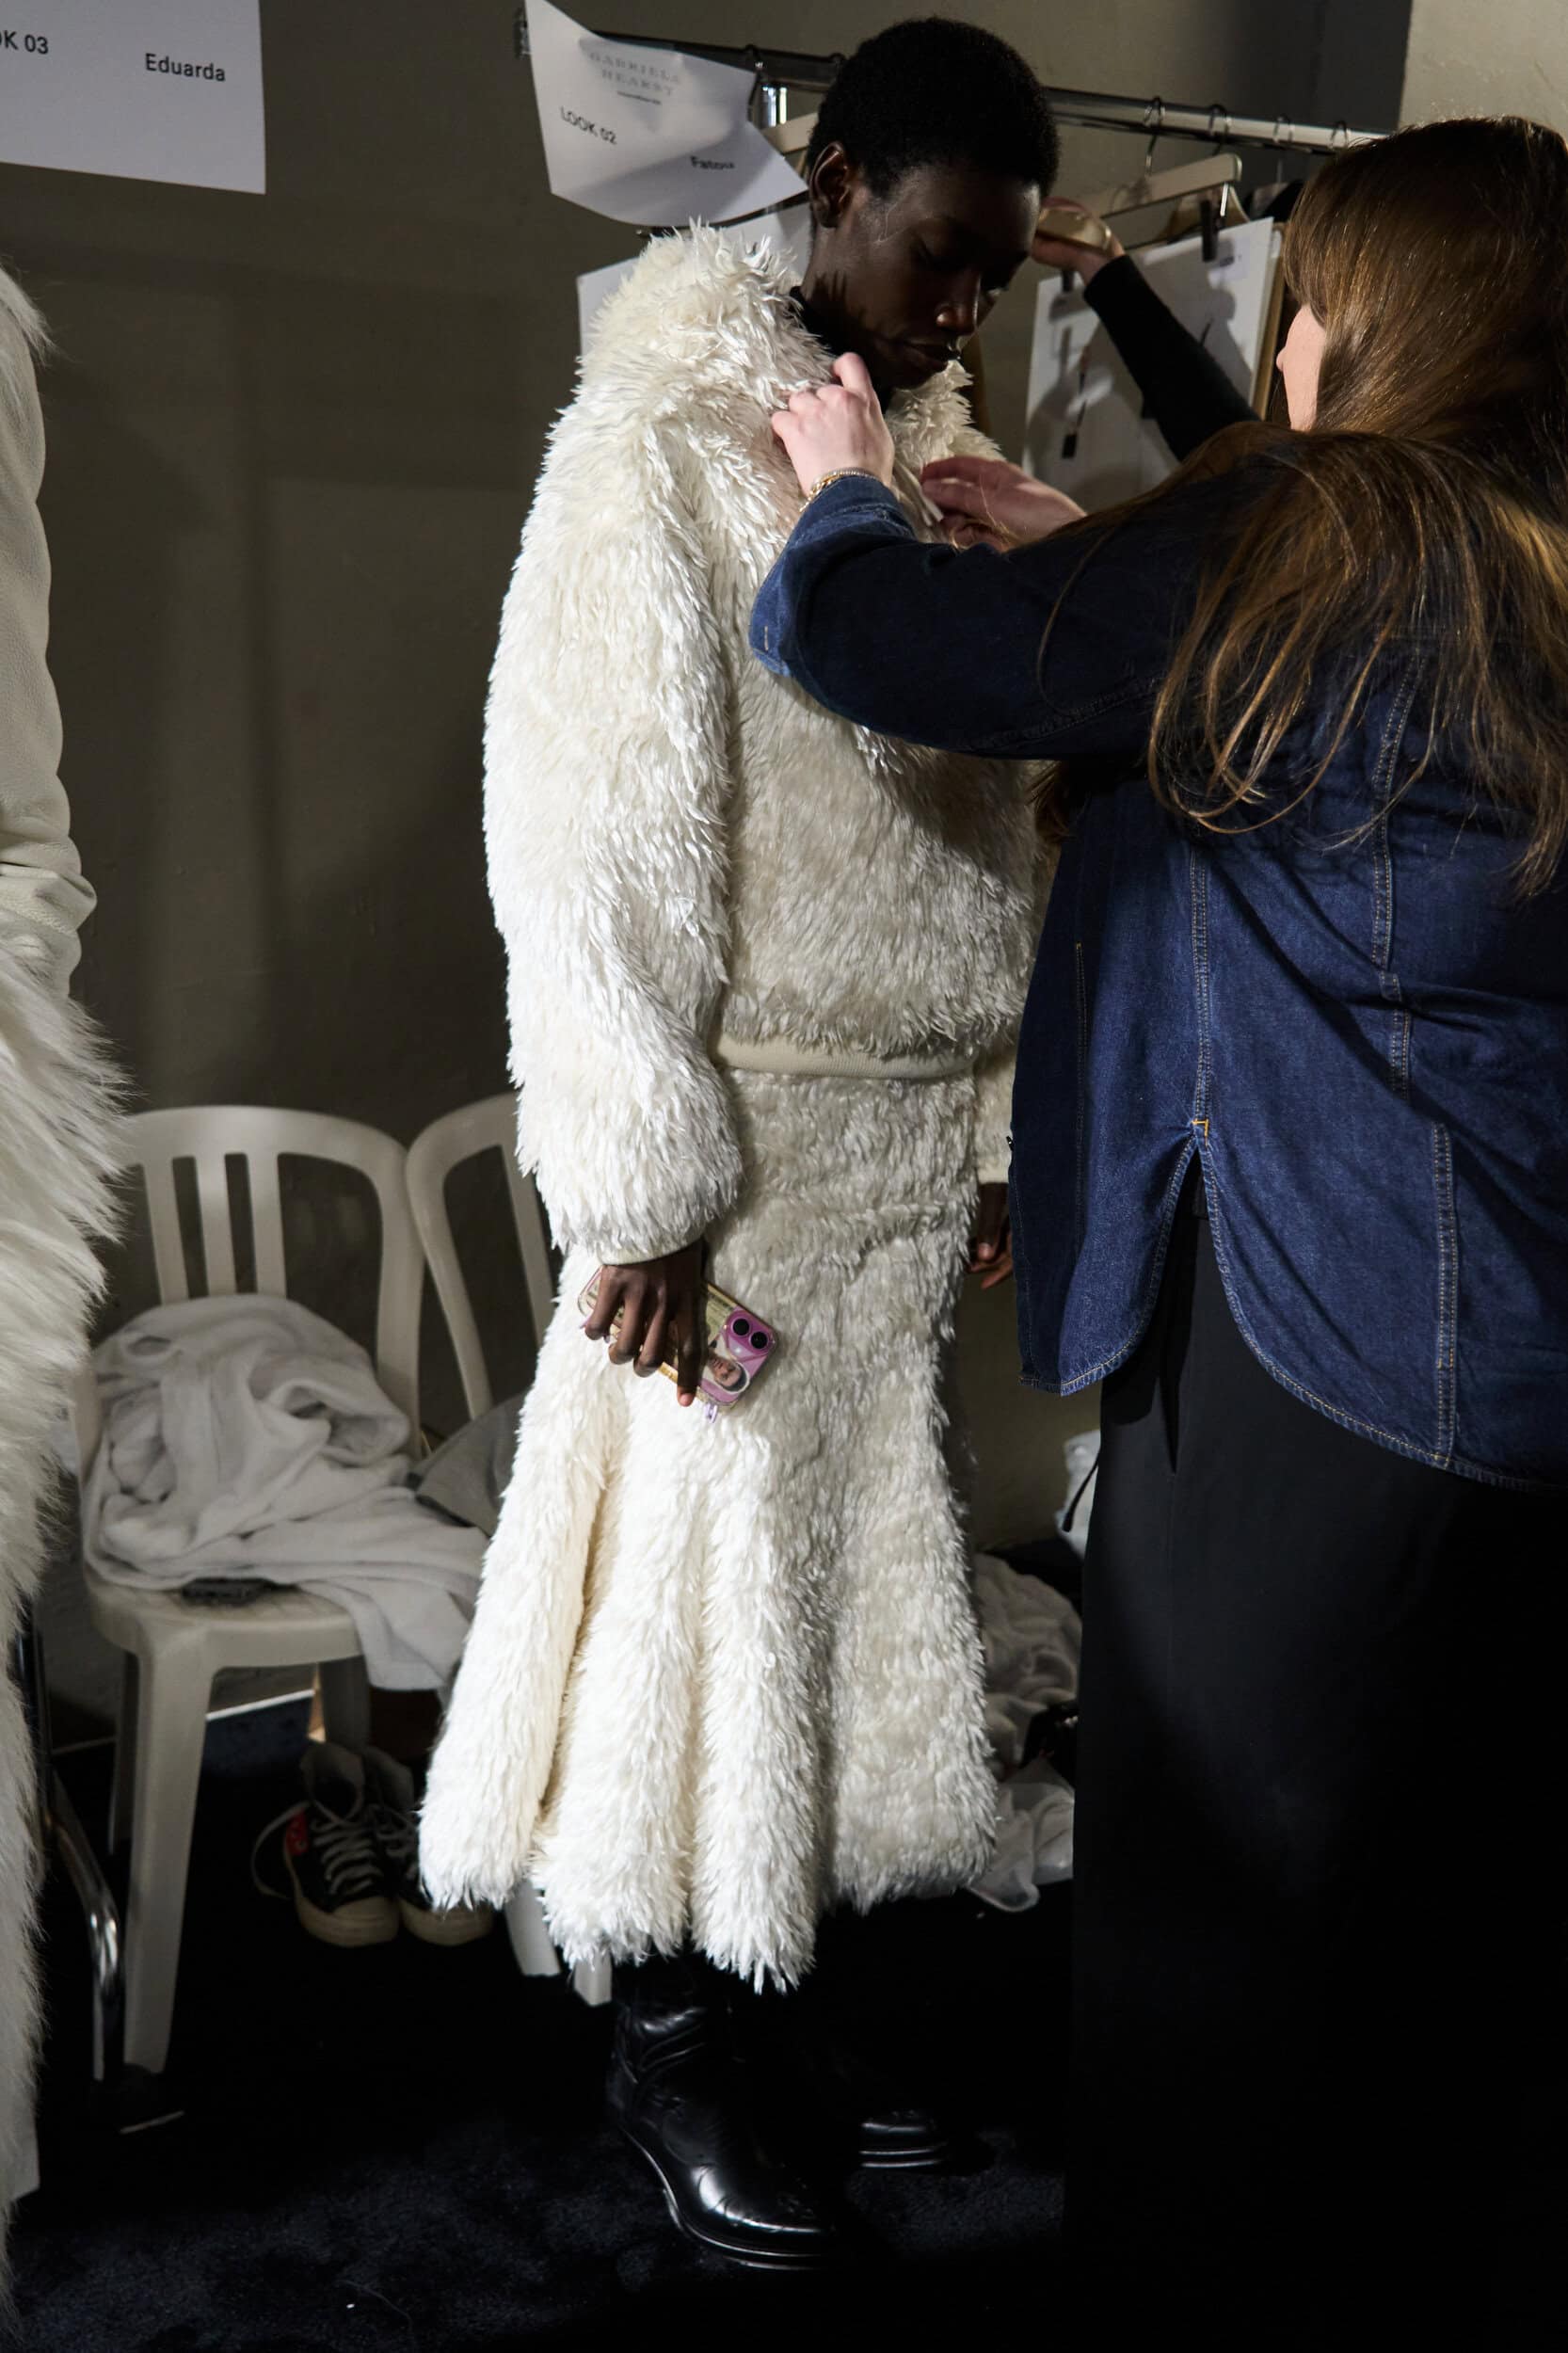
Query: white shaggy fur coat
<point x="57" y="1145"/>
<point x="723" y="1676"/>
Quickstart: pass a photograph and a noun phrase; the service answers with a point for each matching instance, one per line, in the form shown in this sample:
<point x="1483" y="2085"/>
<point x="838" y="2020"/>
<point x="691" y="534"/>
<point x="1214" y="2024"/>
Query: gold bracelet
<point x="844" y="473"/>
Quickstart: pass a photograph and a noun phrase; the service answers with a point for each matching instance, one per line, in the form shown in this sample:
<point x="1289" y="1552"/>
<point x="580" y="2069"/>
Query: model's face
<point x="906" y="279"/>
<point x="1300" y="360"/>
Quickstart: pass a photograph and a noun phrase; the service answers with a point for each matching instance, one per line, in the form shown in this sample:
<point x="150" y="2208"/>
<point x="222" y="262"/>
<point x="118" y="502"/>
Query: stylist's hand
<point x="989" y="503"/>
<point x="991" y="1252"/>
<point x="662" y="1299"/>
<point x="1088" y="260"/>
<point x="830" y="426"/>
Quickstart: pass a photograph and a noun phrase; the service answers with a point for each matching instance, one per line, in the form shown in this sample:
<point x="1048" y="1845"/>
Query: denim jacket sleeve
<point x="1053" y="651"/>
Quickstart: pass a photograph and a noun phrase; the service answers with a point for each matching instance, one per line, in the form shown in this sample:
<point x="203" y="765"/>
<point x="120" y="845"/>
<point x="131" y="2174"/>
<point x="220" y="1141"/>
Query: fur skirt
<point x="725" y="1675"/>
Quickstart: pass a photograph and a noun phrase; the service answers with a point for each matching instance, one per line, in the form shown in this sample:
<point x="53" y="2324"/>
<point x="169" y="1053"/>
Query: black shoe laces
<point x="350" y="1862"/>
<point x="396" y="1834"/>
<point x="346" y="1845"/>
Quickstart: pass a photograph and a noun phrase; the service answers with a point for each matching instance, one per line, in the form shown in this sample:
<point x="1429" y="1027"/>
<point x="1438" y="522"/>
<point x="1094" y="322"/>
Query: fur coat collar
<point x="701" y="324"/>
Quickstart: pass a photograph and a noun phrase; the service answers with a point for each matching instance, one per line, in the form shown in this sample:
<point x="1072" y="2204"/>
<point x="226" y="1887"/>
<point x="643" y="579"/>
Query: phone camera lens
<point x="761" y="1339"/>
<point x="739" y="1327"/>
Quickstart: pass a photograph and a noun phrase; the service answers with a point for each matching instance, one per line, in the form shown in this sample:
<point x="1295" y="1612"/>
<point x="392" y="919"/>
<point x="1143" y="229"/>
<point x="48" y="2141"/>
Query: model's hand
<point x="830" y="426"/>
<point x="987" y="503"/>
<point x="658" y="1300"/>
<point x="1089" y="258"/>
<point x="991" y="1252"/>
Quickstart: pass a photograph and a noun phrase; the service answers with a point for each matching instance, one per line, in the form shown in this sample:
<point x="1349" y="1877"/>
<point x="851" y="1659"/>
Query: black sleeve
<point x="1188" y="395"/>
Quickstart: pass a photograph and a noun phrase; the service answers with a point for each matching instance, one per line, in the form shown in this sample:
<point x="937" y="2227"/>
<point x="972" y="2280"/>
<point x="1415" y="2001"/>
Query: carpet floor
<point x="402" y="2150"/>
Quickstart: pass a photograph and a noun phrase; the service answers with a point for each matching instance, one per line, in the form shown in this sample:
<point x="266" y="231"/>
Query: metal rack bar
<point x="1088" y="110"/>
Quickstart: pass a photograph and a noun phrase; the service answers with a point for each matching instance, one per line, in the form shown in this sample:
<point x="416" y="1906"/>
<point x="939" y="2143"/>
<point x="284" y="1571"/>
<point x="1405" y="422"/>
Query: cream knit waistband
<point x="788" y="1060"/>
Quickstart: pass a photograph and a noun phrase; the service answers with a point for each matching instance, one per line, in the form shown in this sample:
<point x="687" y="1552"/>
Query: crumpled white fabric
<point x="249" y="1437"/>
<point x="1031" y="1636"/>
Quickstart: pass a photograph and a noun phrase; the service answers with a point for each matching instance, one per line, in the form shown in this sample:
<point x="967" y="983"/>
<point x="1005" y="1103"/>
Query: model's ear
<point x="832" y="183"/>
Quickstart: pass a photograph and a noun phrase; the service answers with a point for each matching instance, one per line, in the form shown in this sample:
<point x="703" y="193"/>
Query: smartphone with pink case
<point x="741" y="1347"/>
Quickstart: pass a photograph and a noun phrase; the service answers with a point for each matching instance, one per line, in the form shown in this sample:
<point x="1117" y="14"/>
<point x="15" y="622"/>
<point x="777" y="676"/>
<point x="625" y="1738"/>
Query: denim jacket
<point x="1349" y="1017"/>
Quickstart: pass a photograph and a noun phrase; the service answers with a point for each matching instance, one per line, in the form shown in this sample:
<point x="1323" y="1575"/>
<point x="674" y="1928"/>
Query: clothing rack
<point x="779" y="70"/>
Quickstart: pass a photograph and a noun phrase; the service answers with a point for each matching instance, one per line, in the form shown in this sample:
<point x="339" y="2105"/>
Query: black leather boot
<point x="678" y="2090"/>
<point x="850" y="2046"/>
<point x="847" y="2111"/>
<point x="889" y="2127"/>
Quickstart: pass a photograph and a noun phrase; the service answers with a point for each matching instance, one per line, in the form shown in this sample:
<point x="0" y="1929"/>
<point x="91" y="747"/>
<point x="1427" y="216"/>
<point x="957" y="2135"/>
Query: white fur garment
<point x="723" y="1677"/>
<point x="57" y="1143"/>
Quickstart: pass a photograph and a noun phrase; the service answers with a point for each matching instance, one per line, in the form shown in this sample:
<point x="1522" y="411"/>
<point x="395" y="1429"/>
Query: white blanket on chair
<point x="247" y="1438"/>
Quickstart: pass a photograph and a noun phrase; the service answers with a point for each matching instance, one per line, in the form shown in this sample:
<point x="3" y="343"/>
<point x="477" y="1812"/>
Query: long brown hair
<point x="1429" y="497"/>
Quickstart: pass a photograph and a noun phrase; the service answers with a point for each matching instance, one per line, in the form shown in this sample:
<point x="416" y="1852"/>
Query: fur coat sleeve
<point x="43" y="899"/>
<point x="606" y="774"/>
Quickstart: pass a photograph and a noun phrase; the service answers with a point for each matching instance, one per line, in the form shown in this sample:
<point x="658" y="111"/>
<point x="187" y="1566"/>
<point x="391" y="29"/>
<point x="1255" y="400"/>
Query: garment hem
<point x="1479" y="1474"/>
<point x="1460" y="1466"/>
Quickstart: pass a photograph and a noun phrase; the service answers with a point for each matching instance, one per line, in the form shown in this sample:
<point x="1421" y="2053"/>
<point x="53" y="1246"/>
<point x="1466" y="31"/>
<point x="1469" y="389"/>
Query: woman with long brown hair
<point x="1290" y="1175"/>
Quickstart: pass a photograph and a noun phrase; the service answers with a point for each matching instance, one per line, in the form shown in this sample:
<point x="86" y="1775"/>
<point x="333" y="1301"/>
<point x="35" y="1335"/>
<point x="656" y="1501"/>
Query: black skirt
<point x="1320" y="1927"/>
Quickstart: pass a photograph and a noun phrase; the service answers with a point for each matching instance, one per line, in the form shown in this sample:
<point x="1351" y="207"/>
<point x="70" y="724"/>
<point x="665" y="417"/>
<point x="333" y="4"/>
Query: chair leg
<point x="123" y="1787"/>
<point x="590" y="1982"/>
<point x="104" y="1941"/>
<point x="174" y="1688"/>
<point x="56" y="1819"/>
<point x="533" y="1947"/>
<point x="345" y="1702"/>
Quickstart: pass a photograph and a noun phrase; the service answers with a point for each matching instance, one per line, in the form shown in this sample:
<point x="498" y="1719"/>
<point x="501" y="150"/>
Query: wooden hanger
<point x="1213" y="176"/>
<point x="1222" y="209"/>
<point x="1202" y="196"/>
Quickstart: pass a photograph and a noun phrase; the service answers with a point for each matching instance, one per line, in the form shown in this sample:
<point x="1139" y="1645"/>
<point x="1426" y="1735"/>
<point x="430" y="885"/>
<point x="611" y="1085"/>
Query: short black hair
<point x="934" y="91"/>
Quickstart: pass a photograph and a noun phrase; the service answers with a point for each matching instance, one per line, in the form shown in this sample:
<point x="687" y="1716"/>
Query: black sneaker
<point x="331" y="1855"/>
<point x="389" y="1807"/>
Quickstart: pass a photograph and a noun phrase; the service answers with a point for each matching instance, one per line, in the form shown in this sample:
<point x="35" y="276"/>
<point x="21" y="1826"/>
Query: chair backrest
<point x="210" y="1135"/>
<point x="487" y="1127"/>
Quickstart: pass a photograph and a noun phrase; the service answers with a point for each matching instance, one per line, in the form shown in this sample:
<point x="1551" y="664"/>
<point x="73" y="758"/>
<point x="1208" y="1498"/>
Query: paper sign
<point x="142" y="89"/>
<point x="646" y="134"/>
<point x="1087" y="431"/>
<point x="787" y="232"/>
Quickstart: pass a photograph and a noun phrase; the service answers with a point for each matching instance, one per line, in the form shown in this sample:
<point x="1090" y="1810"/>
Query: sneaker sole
<point x="445" y="1927"/>
<point x="335" y="1928"/>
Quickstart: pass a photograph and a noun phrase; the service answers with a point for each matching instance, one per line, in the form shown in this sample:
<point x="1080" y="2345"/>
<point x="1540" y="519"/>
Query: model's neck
<point x="824" y="315"/>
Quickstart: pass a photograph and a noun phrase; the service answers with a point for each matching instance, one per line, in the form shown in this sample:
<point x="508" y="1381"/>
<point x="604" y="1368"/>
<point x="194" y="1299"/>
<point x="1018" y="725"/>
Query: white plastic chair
<point x="489" y="1125"/>
<point x="172" y="1650"/>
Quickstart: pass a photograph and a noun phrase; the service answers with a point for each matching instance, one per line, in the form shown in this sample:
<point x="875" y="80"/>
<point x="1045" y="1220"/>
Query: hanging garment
<point x="246" y="1437"/>
<point x="725" y="1676"/>
<point x="57" y="1150"/>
